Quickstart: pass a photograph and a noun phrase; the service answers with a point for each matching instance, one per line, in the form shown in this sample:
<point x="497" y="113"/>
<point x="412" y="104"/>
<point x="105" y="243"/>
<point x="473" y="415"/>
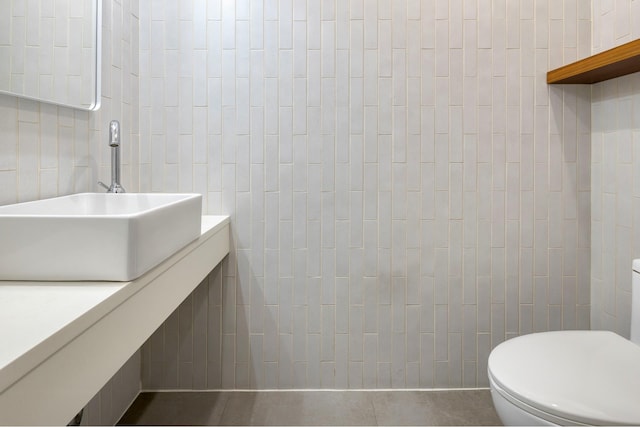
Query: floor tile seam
<point x="373" y="409"/>
<point x="224" y="409"/>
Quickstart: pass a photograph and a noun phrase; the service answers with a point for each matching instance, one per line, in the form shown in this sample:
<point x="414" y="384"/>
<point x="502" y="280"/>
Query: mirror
<point x="50" y="51"/>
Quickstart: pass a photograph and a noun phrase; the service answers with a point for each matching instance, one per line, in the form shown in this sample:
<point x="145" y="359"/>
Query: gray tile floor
<point x="314" y="408"/>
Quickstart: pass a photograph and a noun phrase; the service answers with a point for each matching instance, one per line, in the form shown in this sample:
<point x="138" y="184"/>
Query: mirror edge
<point x="98" y="39"/>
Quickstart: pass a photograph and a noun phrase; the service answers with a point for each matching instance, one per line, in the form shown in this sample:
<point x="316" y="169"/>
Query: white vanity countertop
<point x="38" y="318"/>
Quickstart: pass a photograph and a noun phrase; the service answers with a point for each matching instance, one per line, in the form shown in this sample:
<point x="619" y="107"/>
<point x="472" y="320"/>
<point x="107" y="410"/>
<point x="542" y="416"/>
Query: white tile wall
<point x="406" y="192"/>
<point x="108" y="406"/>
<point x="47" y="150"/>
<point x="615" y="198"/>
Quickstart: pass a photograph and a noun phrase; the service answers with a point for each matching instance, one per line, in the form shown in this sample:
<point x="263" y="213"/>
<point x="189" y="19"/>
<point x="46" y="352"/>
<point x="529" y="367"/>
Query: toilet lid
<point x="591" y="377"/>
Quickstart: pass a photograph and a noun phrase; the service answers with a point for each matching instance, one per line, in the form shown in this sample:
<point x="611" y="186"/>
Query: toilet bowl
<point x="566" y="378"/>
<point x="569" y="377"/>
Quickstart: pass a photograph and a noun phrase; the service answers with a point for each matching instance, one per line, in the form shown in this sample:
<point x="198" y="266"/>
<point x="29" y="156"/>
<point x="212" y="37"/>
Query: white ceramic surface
<point x="588" y="377"/>
<point x="95" y="236"/>
<point x="60" y="342"/>
<point x="514" y="415"/>
<point x="569" y="377"/>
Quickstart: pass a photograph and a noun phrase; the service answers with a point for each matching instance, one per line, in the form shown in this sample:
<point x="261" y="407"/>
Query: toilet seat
<point x="583" y="377"/>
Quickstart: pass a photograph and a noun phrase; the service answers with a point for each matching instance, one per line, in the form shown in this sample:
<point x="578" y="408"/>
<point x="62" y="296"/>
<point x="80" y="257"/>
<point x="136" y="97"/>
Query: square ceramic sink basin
<point x="95" y="236"/>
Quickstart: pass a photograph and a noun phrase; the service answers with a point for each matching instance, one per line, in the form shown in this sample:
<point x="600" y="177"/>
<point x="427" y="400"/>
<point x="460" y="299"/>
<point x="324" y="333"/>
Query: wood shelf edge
<point x="612" y="63"/>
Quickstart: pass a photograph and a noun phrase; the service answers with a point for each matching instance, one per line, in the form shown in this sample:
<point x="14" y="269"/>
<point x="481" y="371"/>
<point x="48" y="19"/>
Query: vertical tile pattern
<point x="107" y="407"/>
<point x="405" y="190"/>
<point x="615" y="180"/>
<point x="47" y="150"/>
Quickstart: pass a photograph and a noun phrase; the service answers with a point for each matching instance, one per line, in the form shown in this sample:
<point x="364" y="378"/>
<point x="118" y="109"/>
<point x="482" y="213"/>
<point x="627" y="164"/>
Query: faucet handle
<point x="115" y="187"/>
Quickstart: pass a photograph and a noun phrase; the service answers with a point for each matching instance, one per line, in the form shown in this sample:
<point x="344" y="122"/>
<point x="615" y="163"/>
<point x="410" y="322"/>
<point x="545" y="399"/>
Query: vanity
<point x="85" y="279"/>
<point x="60" y="342"/>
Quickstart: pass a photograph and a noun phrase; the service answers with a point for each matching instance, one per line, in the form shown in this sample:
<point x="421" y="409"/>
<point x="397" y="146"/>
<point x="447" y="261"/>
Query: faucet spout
<point x="114" y="133"/>
<point x="114" y="143"/>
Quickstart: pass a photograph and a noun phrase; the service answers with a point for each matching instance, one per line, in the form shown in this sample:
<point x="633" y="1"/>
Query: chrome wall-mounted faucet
<point x="114" y="143"/>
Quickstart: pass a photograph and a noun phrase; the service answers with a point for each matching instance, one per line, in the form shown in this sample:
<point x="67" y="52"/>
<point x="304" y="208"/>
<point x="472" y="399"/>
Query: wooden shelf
<point x="616" y="62"/>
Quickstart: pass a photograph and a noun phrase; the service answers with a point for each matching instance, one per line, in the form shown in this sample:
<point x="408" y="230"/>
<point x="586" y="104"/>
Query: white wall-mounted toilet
<point x="570" y="377"/>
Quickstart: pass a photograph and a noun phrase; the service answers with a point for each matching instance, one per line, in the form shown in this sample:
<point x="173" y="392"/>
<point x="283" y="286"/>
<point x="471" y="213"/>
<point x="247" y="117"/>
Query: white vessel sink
<point x="95" y="236"/>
